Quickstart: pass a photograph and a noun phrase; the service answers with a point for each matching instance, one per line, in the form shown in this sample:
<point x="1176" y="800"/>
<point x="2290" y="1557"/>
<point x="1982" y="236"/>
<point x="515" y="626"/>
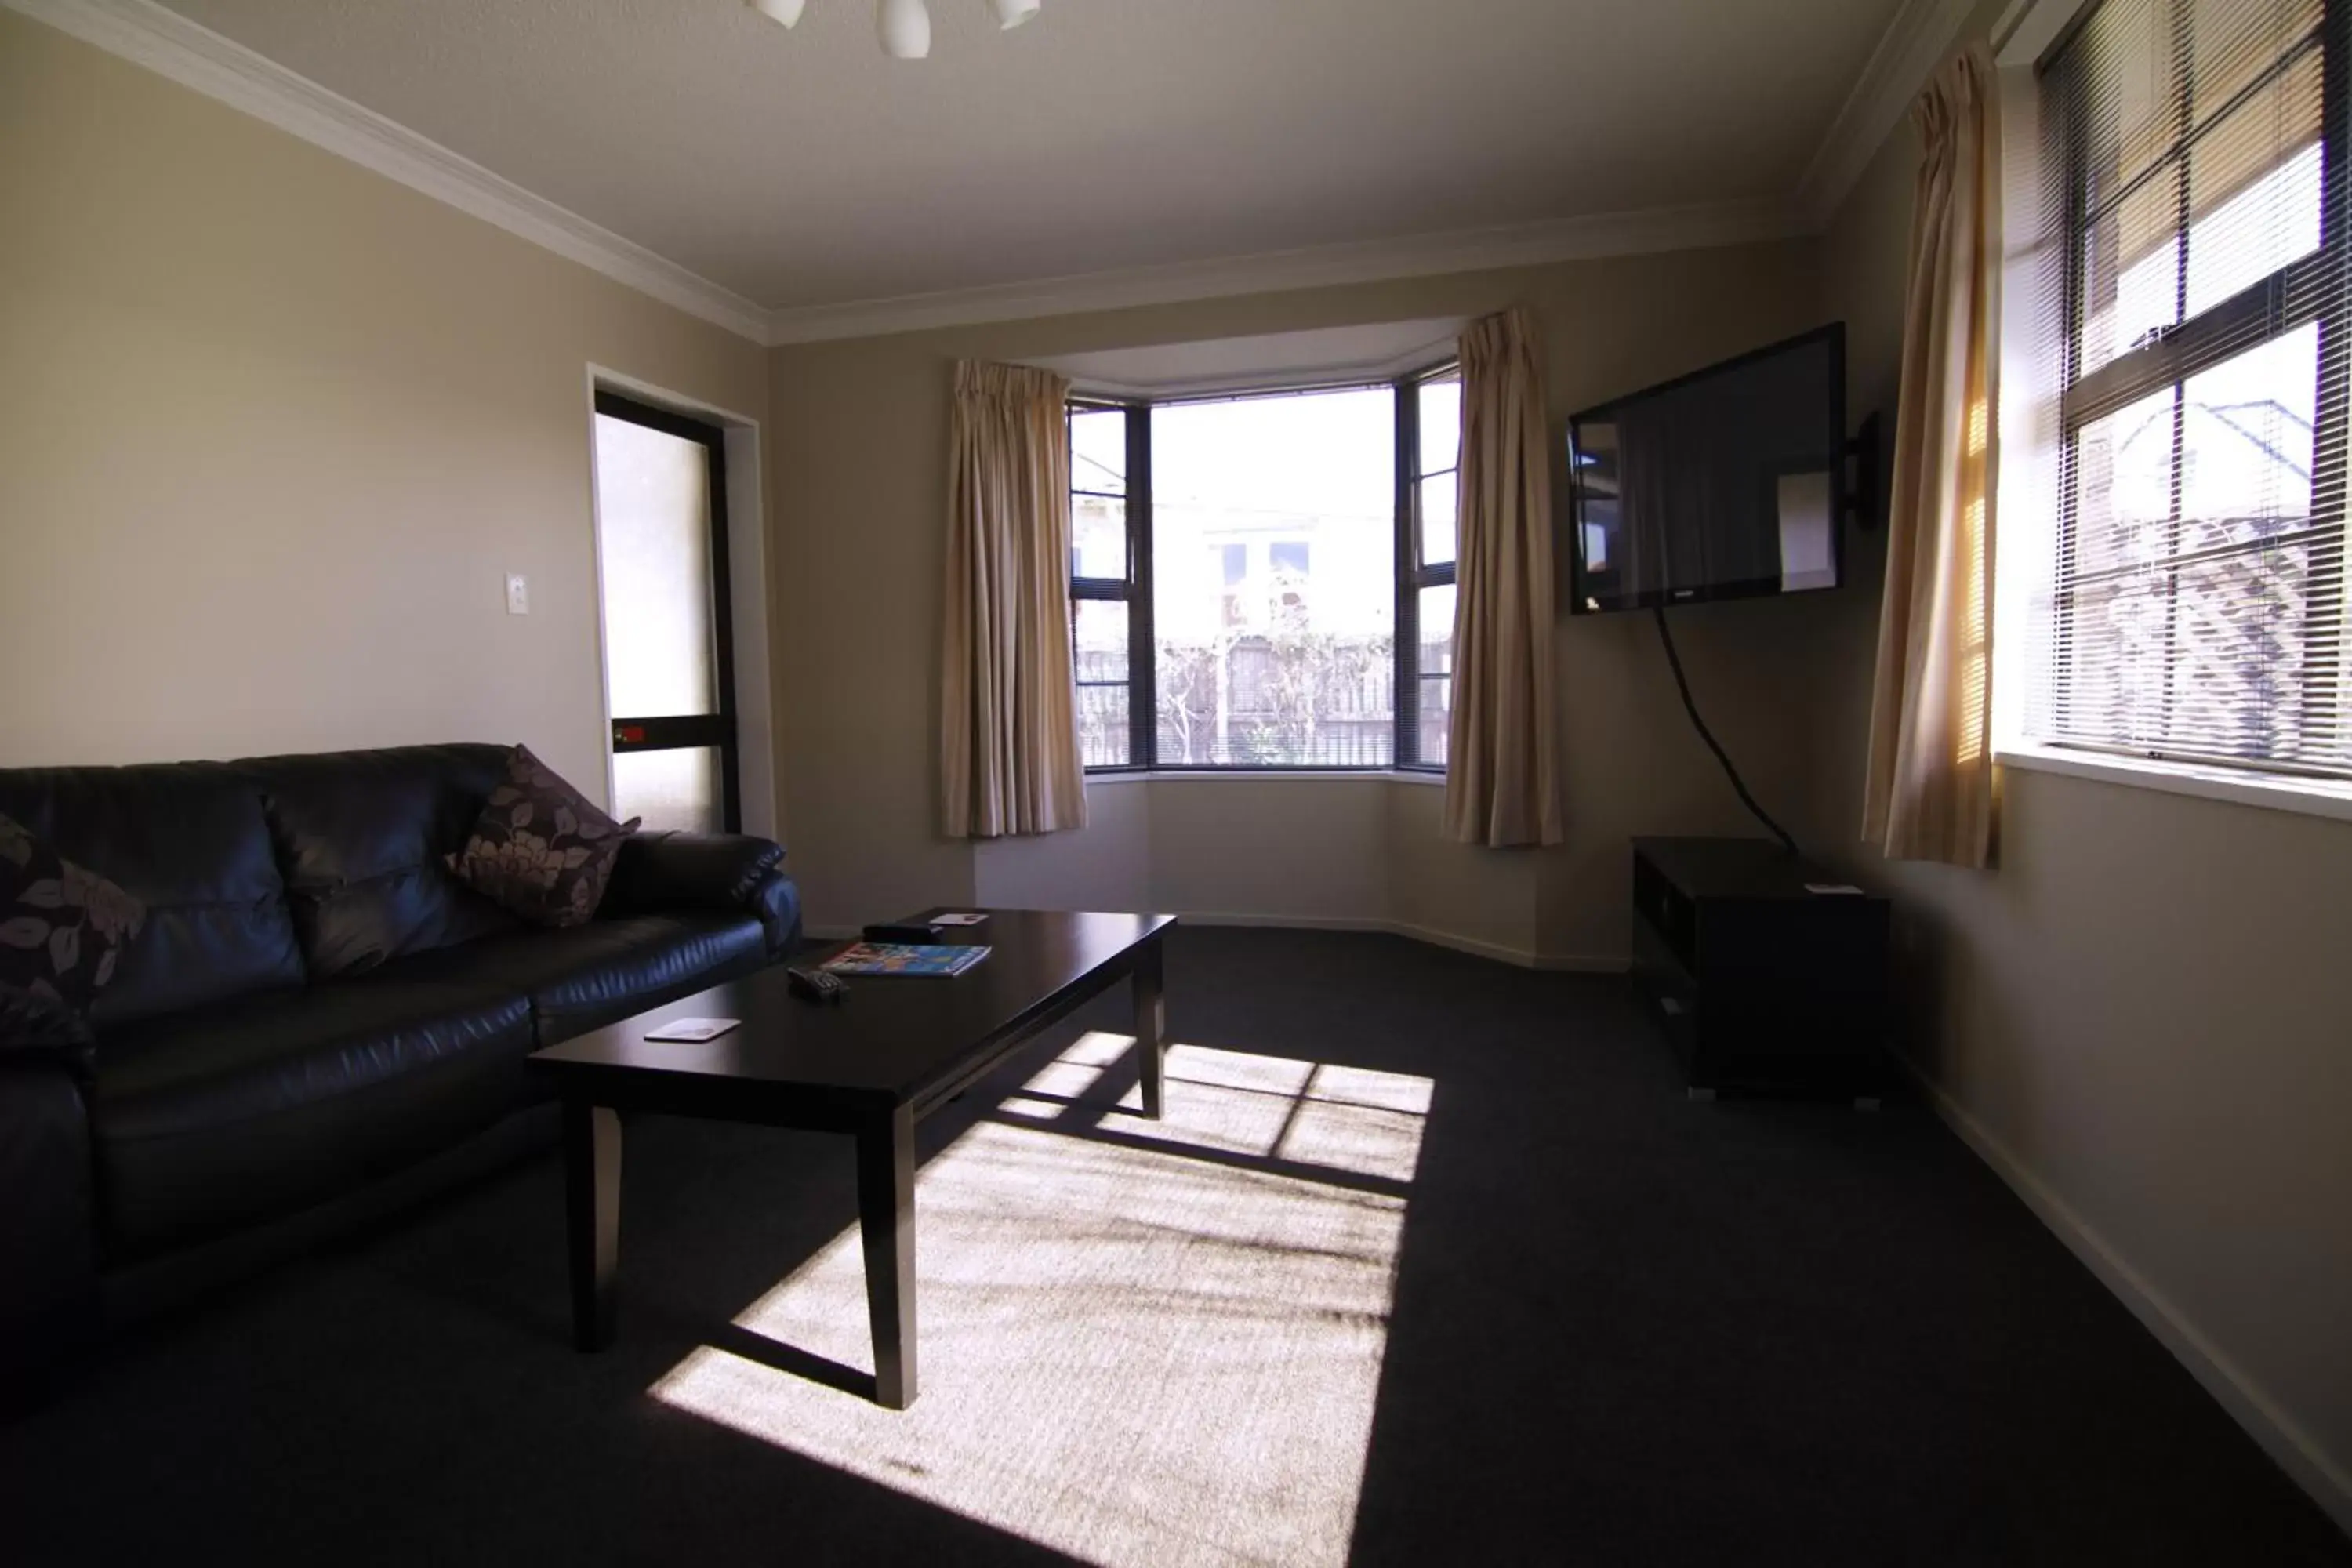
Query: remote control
<point x="815" y="984"/>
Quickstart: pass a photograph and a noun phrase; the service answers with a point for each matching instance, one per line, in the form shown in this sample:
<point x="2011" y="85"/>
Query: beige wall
<point x="2145" y="1011"/>
<point x="274" y="428"/>
<point x="858" y="494"/>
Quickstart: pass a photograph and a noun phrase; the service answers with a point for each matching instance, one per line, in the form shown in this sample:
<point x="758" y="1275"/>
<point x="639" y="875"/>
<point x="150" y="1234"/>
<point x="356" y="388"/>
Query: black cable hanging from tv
<point x="1682" y="684"/>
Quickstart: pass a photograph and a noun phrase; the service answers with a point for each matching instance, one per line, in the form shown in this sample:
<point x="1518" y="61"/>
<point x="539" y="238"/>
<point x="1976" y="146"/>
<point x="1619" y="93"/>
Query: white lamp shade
<point x="785" y="11"/>
<point x="1011" y="13"/>
<point x="905" y="28"/>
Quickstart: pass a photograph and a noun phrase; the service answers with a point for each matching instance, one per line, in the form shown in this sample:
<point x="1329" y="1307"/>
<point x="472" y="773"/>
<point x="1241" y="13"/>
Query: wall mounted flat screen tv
<point x="1728" y="483"/>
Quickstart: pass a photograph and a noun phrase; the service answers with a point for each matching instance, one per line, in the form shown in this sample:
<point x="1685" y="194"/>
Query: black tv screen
<point x="1728" y="483"/>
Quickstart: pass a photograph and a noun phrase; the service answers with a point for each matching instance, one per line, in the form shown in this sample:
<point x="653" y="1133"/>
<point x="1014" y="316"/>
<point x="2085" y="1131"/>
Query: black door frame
<point x="680" y="733"/>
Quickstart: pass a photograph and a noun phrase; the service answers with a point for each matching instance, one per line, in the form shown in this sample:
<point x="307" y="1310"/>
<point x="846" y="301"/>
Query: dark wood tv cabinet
<point x="1759" y="982"/>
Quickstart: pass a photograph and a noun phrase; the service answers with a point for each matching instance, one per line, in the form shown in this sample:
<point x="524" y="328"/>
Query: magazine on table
<point x="903" y="958"/>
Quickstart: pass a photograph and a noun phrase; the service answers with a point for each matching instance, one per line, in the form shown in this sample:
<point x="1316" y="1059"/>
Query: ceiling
<point x="805" y="169"/>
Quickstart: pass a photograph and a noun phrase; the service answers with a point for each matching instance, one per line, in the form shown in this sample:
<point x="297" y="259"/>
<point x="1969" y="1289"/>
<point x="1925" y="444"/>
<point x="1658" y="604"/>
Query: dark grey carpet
<point x="1627" y="1329"/>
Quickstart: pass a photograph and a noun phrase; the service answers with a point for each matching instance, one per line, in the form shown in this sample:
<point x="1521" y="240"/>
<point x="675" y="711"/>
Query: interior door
<point x="670" y="678"/>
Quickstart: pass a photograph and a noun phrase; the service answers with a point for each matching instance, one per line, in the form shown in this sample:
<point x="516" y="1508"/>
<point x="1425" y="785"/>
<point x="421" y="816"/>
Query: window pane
<point x="2206" y="661"/>
<point x="2123" y="485"/>
<point x="1274" y="579"/>
<point x="2124" y="57"/>
<point x="653" y="534"/>
<point x="1099" y="538"/>
<point x="1440" y="425"/>
<point x="1436" y="719"/>
<point x="1098" y="450"/>
<point x="2131" y="271"/>
<point x="2213" y="658"/>
<point x="672" y="790"/>
<point x="1439" y="497"/>
<point x="2246" y="444"/>
<point x="2232" y="42"/>
<point x="1098" y="639"/>
<point x="2252" y="176"/>
<point x="2124" y="73"/>
<point x="2254" y="185"/>
<point x="1435" y="613"/>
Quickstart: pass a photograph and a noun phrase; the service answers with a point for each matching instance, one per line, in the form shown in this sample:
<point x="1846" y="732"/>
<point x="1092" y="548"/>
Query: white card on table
<point x="962" y="920"/>
<point x="688" y="1031"/>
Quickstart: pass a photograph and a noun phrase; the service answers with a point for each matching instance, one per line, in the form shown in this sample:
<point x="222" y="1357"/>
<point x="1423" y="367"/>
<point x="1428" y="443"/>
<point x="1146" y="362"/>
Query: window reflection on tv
<point x="1726" y="483"/>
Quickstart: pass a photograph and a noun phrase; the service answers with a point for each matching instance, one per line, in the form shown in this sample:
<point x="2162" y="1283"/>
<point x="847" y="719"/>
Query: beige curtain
<point x="1499" y="784"/>
<point x="1008" y="723"/>
<point x="1930" y="788"/>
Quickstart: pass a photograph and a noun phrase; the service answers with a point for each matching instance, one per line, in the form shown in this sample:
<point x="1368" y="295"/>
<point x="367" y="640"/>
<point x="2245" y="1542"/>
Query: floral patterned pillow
<point x="539" y="848"/>
<point x="63" y="927"/>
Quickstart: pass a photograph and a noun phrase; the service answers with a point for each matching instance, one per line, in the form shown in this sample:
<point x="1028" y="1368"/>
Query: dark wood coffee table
<point x="895" y="1050"/>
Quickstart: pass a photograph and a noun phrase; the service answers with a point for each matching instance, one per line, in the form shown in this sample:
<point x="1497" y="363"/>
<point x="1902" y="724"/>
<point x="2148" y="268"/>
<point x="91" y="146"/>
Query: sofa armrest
<point x="715" y="873"/>
<point x="48" y="1225"/>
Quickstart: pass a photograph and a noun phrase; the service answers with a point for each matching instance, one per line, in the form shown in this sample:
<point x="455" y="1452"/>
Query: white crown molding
<point x="1914" y="44"/>
<point x="196" y="57"/>
<point x="1323" y="266"/>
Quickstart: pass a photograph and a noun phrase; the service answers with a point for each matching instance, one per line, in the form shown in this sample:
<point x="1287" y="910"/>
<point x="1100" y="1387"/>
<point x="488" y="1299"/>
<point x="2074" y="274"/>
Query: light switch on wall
<point x="518" y="595"/>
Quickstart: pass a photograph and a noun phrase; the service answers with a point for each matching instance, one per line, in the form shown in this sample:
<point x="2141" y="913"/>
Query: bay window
<point x="1265" y="581"/>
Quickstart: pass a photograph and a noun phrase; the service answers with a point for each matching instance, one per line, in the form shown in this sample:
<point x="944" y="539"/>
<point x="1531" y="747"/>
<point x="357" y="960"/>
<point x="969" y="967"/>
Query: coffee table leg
<point x="1150" y="1026"/>
<point x="886" y="1216"/>
<point x="591" y="1172"/>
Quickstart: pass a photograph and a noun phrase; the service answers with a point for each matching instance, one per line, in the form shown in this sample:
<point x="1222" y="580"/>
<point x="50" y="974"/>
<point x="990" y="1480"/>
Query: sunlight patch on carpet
<point x="1136" y="1348"/>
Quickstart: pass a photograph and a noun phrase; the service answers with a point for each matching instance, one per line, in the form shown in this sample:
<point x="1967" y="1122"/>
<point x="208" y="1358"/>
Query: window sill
<point x="1225" y="775"/>
<point x="2276" y="792"/>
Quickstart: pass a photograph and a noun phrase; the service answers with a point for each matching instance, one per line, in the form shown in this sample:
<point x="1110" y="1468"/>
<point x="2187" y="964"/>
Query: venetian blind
<point x="2196" y="603"/>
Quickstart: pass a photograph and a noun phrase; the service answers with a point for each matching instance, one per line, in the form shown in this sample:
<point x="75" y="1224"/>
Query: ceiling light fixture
<point x="905" y="26"/>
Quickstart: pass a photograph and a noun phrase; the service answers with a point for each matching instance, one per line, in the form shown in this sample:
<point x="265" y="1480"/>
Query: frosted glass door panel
<point x="653" y="493"/>
<point x="672" y="790"/>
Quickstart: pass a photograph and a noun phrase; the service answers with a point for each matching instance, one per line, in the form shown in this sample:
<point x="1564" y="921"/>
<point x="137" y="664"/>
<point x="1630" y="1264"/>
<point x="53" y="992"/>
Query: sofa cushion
<point x="269" y="1103"/>
<point x="364" y="838"/>
<point x="598" y="974"/>
<point x="187" y="840"/>
<point x="62" y="929"/>
<point x="540" y="849"/>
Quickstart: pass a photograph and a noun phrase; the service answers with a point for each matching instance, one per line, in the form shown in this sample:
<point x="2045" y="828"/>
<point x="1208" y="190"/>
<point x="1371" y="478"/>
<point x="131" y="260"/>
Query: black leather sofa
<point x="318" y="1023"/>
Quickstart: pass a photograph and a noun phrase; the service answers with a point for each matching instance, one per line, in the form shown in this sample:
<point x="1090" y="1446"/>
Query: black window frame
<point x="671" y="733"/>
<point x="2310" y="288"/>
<point x="1135" y="589"/>
<point x="1412" y="574"/>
